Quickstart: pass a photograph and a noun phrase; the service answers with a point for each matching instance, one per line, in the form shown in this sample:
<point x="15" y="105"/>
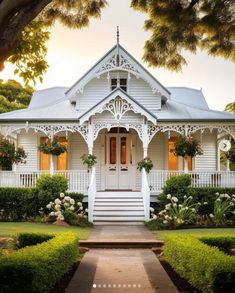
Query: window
<point x="172" y="159"/>
<point x="113" y="150"/>
<point x="123" y="150"/>
<point x="122" y="83"/>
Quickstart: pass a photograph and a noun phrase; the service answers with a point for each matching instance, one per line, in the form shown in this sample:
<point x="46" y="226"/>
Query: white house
<point x="121" y="113"/>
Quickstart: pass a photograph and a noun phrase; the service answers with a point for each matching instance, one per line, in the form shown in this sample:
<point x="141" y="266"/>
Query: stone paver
<point x="120" y="270"/>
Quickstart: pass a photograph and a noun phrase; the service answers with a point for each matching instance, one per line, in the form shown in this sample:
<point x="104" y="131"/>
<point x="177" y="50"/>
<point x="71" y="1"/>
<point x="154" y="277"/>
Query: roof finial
<point x="117" y="35"/>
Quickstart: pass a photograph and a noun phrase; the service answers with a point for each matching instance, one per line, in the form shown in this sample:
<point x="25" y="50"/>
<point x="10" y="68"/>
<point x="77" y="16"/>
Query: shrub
<point x="145" y="163"/>
<point x="50" y="186"/>
<point x="29" y="239"/>
<point x="176" y="186"/>
<point x="37" y="268"/>
<point x="205" y="267"/>
<point x="18" y="203"/>
<point x="224" y="243"/>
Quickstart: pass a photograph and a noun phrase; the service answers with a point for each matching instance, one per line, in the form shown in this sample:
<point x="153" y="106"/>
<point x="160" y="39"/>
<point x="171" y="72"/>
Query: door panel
<point x="117" y="154"/>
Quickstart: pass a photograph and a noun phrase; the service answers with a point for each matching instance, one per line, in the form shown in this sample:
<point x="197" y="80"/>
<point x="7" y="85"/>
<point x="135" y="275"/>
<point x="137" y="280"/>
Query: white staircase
<point x="118" y="208"/>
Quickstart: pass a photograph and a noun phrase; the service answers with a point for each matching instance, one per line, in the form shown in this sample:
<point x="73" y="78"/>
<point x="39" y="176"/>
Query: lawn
<point x="208" y="231"/>
<point x="10" y="229"/>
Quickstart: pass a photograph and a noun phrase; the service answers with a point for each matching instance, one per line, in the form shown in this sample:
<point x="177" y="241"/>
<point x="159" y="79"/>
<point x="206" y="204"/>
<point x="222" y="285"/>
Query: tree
<point x="230" y="107"/>
<point x="14" y="96"/>
<point x="24" y="25"/>
<point x="10" y="155"/>
<point x="178" y="25"/>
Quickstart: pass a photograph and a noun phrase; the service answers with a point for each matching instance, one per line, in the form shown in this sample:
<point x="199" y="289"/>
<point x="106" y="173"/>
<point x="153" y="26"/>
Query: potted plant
<point x="10" y="155"/>
<point x="89" y="160"/>
<point x="54" y="148"/>
<point x="187" y="146"/>
<point x="145" y="163"/>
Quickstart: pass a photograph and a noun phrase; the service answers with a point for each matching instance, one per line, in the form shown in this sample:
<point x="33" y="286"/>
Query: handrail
<point x="91" y="195"/>
<point x="145" y="190"/>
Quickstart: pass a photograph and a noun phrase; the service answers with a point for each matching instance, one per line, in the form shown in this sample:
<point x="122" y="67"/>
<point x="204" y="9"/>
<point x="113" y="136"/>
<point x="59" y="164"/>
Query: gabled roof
<point x="125" y="62"/>
<point x="118" y="93"/>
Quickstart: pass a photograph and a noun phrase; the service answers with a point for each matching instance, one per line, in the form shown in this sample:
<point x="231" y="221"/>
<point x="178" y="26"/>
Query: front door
<point x="118" y="161"/>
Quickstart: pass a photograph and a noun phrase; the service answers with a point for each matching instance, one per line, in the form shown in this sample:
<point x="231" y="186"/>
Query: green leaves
<point x="177" y="25"/>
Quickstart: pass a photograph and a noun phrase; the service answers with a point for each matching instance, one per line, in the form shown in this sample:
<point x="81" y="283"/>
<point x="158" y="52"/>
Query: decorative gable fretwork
<point x="117" y="61"/>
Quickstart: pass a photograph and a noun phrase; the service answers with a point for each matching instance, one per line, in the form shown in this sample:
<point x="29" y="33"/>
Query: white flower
<point x="57" y="207"/>
<point x="185" y="196"/>
<point x="71" y="208"/>
<point x="190" y="197"/>
<point x="180" y="205"/>
<point x="174" y="205"/>
<point x="165" y="221"/>
<point x="81" y="208"/>
<point x="226" y="195"/>
<point x="86" y="210"/>
<point x="66" y="204"/>
<point x="217" y="193"/>
<point x="167" y="206"/>
<point x="52" y="214"/>
<point x="85" y="216"/>
<point x="205" y="202"/>
<point x="211" y="216"/>
<point x="60" y="217"/>
<point x="79" y="204"/>
<point x="72" y="201"/>
<point x="151" y="209"/>
<point x="58" y="213"/>
<point x="67" y="198"/>
<point x="218" y="199"/>
<point x="168" y="196"/>
<point x="175" y="199"/>
<point x="231" y="204"/>
<point x="49" y="206"/>
<point x="186" y="208"/>
<point x="154" y="217"/>
<point x="57" y="201"/>
<point x="193" y="210"/>
<point x="62" y="195"/>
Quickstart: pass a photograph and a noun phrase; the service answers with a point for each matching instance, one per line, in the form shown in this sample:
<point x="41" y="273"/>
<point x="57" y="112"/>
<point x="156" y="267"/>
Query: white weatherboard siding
<point x="96" y="90"/>
<point x="29" y="142"/>
<point x="143" y="94"/>
<point x="77" y="147"/>
<point x="138" y="157"/>
<point x="207" y="161"/>
<point x="156" y="151"/>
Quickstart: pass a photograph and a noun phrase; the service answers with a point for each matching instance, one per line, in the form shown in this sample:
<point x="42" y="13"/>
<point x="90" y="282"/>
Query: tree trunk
<point x="14" y="17"/>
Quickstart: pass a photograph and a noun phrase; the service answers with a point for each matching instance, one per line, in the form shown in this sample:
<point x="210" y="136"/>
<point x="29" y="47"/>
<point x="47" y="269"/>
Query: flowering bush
<point x="146" y="163"/>
<point x="67" y="209"/>
<point x="223" y="206"/>
<point x="53" y="147"/>
<point x="187" y="146"/>
<point x="89" y="160"/>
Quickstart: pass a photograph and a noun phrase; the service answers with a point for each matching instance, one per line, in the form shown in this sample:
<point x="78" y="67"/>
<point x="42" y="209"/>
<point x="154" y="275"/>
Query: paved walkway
<point x="120" y="270"/>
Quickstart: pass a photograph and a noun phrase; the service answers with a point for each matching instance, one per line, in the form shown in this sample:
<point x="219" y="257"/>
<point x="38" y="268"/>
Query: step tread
<point x="120" y="204"/>
<point x="118" y="213"/>
<point x="121" y="218"/>
<point x="119" y="208"/>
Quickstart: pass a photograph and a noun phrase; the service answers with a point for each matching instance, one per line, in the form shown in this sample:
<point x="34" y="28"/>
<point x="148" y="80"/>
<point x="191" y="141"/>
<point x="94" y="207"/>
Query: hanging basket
<point x="52" y="147"/>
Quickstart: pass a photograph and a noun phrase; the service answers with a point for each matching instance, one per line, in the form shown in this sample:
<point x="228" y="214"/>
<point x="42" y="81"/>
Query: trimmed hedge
<point x="29" y="239"/>
<point x="223" y="243"/>
<point x="206" y="268"/>
<point x="20" y="203"/>
<point x="37" y="268"/>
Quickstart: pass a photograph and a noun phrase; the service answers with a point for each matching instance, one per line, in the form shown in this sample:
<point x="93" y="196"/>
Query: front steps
<point x="118" y="208"/>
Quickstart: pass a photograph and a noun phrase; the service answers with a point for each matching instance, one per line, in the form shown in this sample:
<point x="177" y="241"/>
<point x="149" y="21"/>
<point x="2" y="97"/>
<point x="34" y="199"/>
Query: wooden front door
<point x="118" y="161"/>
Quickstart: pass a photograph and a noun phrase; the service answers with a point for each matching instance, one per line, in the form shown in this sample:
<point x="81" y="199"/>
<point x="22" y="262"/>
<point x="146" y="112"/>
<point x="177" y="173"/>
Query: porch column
<point x="90" y="137"/>
<point x="14" y="166"/>
<point x="145" y="138"/>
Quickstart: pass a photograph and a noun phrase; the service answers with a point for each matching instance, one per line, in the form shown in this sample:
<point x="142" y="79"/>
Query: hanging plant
<point x="9" y="155"/>
<point x="89" y="160"/>
<point x="187" y="146"/>
<point x="146" y="163"/>
<point x="52" y="147"/>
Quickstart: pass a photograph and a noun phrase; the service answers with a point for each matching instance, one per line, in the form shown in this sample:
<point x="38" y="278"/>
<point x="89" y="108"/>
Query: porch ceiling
<point x="118" y="102"/>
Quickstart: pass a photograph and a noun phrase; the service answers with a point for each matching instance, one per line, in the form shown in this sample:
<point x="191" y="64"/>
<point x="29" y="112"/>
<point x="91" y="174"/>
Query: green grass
<point x="204" y="231"/>
<point x="10" y="229"/>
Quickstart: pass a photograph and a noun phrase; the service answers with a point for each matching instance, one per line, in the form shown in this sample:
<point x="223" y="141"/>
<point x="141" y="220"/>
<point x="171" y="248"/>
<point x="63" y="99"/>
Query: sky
<point x="72" y="52"/>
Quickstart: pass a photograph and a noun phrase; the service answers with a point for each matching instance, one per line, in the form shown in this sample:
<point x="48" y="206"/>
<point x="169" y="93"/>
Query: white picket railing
<point x="145" y="190"/>
<point x="157" y="178"/>
<point x="77" y="180"/>
<point x="91" y="195"/>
